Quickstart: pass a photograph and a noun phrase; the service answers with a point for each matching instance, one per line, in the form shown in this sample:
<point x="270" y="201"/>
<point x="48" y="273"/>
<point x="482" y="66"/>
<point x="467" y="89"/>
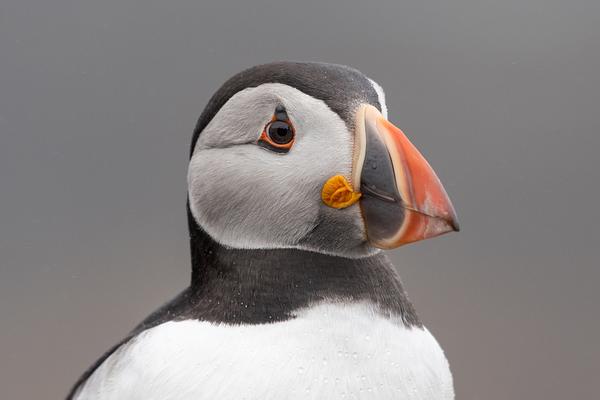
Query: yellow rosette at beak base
<point x="338" y="193"/>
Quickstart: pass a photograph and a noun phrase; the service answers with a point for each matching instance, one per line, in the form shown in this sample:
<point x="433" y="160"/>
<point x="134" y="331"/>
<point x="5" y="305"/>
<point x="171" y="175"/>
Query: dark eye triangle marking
<point x="281" y="113"/>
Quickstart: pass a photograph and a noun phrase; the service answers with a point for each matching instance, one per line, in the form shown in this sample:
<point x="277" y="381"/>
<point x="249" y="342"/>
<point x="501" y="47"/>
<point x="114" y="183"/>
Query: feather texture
<point x="329" y="351"/>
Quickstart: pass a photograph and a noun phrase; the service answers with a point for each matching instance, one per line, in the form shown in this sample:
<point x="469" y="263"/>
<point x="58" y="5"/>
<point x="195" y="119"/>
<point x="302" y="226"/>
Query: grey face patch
<point x="342" y="88"/>
<point x="247" y="197"/>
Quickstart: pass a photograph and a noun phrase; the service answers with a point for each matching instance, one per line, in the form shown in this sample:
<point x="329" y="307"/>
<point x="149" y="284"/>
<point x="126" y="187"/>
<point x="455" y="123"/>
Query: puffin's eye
<point x="279" y="134"/>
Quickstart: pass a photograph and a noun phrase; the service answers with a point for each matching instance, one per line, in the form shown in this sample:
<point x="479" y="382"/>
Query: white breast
<point x="331" y="351"/>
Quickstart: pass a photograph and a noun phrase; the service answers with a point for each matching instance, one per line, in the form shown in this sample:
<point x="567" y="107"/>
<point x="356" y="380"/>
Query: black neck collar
<point x="261" y="286"/>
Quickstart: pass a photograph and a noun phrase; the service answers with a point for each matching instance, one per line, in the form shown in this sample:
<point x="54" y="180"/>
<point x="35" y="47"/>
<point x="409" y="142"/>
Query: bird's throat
<point x="262" y="286"/>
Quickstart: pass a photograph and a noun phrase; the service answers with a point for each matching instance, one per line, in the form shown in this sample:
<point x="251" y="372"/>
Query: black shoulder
<point x="174" y="309"/>
<point x="83" y="378"/>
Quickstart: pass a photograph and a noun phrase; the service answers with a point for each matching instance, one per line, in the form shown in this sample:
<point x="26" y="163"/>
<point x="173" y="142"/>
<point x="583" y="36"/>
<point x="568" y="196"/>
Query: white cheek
<point x="246" y="207"/>
<point x="245" y="196"/>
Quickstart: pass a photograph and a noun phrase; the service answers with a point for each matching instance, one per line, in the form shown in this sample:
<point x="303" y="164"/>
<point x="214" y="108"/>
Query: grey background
<point x="98" y="100"/>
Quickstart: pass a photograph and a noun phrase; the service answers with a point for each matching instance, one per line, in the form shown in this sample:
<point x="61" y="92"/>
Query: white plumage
<point x="329" y="351"/>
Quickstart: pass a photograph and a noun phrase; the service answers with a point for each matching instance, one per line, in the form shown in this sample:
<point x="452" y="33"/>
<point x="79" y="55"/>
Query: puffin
<point x="297" y="183"/>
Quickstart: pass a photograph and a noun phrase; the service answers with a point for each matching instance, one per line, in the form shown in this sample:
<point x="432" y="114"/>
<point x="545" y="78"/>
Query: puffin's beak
<point x="402" y="200"/>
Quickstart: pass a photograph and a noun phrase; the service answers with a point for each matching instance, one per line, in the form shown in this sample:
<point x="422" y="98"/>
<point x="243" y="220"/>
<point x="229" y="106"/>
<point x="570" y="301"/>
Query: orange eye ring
<point x="278" y="135"/>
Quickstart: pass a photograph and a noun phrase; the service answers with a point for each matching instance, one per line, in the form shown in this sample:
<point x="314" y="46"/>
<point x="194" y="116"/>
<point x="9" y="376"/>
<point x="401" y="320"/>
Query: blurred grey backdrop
<point x="98" y="100"/>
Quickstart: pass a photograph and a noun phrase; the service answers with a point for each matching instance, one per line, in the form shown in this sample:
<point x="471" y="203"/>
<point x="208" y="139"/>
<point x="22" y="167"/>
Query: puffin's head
<point x="301" y="155"/>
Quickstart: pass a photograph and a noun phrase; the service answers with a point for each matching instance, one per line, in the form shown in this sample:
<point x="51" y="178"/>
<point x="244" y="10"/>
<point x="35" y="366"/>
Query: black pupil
<point x="280" y="132"/>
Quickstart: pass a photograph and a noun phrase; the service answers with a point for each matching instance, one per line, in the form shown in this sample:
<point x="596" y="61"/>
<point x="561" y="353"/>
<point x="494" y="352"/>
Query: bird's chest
<point x="327" y="352"/>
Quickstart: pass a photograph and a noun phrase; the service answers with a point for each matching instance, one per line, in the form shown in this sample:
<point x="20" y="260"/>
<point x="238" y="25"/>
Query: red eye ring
<point x="278" y="135"/>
